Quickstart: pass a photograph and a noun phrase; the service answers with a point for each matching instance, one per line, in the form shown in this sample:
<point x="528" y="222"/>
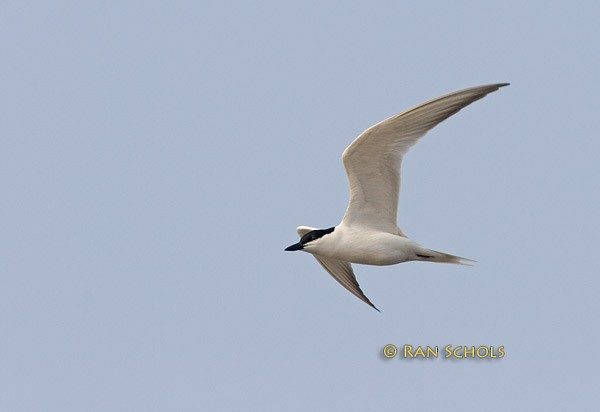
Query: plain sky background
<point x="156" y="158"/>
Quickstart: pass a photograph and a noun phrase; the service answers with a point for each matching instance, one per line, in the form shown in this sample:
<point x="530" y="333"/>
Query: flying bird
<point x="368" y="233"/>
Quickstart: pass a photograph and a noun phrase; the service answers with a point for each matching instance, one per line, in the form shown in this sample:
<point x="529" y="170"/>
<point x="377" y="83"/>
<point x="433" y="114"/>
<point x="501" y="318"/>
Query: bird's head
<point x="308" y="238"/>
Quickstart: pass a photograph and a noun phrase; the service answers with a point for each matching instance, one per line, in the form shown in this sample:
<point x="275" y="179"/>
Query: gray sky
<point x="157" y="157"/>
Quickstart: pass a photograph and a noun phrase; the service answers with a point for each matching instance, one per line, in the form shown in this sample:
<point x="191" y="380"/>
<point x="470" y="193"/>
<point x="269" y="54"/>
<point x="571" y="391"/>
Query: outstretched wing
<point x="372" y="161"/>
<point x="343" y="273"/>
<point x="340" y="271"/>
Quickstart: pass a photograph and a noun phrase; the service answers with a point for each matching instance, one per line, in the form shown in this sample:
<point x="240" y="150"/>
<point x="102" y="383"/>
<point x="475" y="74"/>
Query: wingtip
<point x="365" y="299"/>
<point x="368" y="302"/>
<point x="466" y="262"/>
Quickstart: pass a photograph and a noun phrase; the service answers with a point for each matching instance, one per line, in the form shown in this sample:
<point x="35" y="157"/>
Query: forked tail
<point x="429" y="255"/>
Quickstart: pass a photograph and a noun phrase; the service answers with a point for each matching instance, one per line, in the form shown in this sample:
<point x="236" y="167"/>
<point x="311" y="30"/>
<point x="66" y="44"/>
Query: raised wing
<point x="373" y="160"/>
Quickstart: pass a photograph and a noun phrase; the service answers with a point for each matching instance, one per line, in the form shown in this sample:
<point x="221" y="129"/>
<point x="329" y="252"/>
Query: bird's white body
<point x="364" y="246"/>
<point x="368" y="233"/>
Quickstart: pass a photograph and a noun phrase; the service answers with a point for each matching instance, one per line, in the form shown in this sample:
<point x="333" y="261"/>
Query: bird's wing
<point x="340" y="271"/>
<point x="343" y="273"/>
<point x="372" y="161"/>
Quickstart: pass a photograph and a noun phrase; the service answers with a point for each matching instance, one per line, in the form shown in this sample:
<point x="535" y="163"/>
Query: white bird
<point x="368" y="233"/>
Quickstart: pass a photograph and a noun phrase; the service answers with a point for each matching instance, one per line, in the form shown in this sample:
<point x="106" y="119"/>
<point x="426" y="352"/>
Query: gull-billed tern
<point x="368" y="233"/>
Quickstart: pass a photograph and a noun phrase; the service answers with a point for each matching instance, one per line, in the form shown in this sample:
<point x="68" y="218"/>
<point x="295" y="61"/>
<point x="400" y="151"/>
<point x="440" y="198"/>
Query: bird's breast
<point x="367" y="248"/>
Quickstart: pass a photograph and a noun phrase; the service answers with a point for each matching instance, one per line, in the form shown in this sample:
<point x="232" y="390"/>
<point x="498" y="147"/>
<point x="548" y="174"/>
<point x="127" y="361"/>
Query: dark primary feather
<point x="343" y="273"/>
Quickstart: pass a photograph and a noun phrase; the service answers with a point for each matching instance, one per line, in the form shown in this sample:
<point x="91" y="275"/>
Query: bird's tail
<point x="429" y="255"/>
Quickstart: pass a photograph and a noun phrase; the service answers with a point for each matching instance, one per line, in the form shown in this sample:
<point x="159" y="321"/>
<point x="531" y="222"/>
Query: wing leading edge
<point x="372" y="161"/>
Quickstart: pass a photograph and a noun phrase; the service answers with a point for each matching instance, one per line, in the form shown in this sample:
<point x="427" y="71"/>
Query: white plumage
<point x="368" y="233"/>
